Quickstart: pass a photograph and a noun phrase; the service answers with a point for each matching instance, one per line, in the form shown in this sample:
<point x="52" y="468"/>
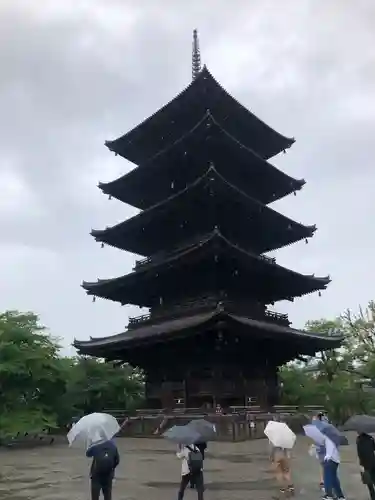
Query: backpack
<point x="195" y="460"/>
<point x="104" y="462"/>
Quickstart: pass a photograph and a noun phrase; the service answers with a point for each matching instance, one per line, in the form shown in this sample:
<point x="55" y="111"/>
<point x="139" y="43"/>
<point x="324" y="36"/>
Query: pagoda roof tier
<point x="214" y="261"/>
<point x="174" y="330"/>
<point x="182" y="113"/>
<point x="178" y="165"/>
<point x="208" y="203"/>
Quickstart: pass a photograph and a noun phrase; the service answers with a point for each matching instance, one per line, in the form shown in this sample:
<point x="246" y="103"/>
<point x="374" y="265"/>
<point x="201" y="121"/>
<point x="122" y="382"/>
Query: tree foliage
<point x="339" y="379"/>
<point x="40" y="389"/>
<point x="94" y="384"/>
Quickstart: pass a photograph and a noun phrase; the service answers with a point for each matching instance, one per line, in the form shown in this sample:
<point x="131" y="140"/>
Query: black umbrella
<point x="204" y="428"/>
<point x="360" y="423"/>
<point x="183" y="434"/>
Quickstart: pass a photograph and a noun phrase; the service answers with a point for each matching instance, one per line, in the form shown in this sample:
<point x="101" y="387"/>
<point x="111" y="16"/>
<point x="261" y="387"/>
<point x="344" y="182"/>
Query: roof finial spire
<point x="196" y="56"/>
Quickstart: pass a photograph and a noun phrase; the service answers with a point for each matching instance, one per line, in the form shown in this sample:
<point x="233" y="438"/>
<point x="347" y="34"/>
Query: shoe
<point x="327" y="498"/>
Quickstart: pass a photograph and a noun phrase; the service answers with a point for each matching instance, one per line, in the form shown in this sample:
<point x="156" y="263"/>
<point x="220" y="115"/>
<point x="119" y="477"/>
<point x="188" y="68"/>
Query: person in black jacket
<point x="106" y="458"/>
<point x="366" y="456"/>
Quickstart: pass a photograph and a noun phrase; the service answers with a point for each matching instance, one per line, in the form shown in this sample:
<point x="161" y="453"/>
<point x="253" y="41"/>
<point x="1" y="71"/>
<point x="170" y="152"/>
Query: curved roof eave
<point x="201" y="320"/>
<point x="91" y="286"/>
<point x="129" y="137"/>
<point x="106" y="186"/>
<point x="145" y="215"/>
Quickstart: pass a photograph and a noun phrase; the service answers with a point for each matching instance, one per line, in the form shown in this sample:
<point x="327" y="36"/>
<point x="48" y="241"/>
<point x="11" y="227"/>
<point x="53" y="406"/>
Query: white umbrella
<point x="93" y="428"/>
<point x="280" y="435"/>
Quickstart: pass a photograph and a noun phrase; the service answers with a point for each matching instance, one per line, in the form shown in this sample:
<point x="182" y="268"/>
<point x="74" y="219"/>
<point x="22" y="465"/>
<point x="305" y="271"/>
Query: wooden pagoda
<point x="203" y="184"/>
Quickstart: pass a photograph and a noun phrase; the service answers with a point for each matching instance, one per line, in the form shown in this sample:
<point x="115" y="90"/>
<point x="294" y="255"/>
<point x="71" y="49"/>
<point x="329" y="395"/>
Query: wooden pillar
<point x="186" y="390"/>
<point x="166" y="395"/>
<point x="272" y="387"/>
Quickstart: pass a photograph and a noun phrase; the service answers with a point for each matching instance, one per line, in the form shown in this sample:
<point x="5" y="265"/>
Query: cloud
<point x="75" y="73"/>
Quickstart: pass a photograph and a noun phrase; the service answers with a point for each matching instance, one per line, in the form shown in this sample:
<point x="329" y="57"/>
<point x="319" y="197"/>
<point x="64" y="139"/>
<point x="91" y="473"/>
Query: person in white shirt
<point x="191" y="469"/>
<point x="330" y="471"/>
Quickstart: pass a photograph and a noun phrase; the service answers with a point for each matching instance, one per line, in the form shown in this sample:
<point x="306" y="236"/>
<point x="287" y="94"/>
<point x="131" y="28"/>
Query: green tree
<point x="360" y="331"/>
<point x="31" y="380"/>
<point x="330" y="378"/>
<point x="94" y="385"/>
<point x="298" y="386"/>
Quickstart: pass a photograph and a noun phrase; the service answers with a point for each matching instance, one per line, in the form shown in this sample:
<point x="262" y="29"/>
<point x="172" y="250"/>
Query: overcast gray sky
<point x="77" y="72"/>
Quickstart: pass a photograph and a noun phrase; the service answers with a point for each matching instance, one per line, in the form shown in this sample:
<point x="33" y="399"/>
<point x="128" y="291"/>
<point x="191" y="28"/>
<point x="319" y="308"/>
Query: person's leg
<point x="199" y="484"/>
<point x="107" y="487"/>
<point x="287" y="475"/>
<point x="279" y="474"/>
<point x="184" y="482"/>
<point x="370" y="485"/>
<point x="95" y="489"/>
<point x="327" y="476"/>
<point x="336" y="481"/>
<point x="192" y="484"/>
<point x="371" y="490"/>
<point x="321" y="483"/>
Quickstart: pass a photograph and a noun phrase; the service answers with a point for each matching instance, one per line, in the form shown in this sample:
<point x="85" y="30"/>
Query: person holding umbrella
<point x="95" y="432"/>
<point x="320" y="448"/>
<point x="366" y="457"/>
<point x="282" y="440"/>
<point x="191" y="470"/>
<point x="364" y="425"/>
<point x="192" y="461"/>
<point x="330" y="470"/>
<point x="106" y="458"/>
<point x="329" y="438"/>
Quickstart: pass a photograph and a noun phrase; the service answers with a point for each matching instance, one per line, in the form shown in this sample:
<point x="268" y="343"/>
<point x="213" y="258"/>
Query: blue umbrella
<point x="314" y="433"/>
<point x="331" y="432"/>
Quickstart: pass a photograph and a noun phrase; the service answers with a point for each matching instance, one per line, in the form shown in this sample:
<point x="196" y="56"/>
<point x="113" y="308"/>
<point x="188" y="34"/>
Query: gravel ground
<point x="149" y="470"/>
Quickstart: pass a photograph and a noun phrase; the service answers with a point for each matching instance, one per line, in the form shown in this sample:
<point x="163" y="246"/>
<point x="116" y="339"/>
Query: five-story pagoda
<point x="203" y="184"/>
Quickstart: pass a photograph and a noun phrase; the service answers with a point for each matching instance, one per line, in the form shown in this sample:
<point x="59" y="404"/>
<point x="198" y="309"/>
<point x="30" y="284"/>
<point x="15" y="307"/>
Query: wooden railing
<point x="242" y="424"/>
<point x="202" y="304"/>
<point x="182" y="246"/>
<point x="160" y="256"/>
<point x="173" y="311"/>
<point x="232" y="410"/>
<point x="154" y="259"/>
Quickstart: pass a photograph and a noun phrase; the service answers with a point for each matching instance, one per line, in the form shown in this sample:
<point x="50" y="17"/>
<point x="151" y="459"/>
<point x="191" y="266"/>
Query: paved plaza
<point x="150" y="471"/>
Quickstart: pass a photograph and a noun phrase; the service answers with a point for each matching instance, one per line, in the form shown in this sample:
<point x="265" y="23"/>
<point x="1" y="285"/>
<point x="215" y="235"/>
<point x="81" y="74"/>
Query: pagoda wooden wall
<point x="222" y="385"/>
<point x="211" y="367"/>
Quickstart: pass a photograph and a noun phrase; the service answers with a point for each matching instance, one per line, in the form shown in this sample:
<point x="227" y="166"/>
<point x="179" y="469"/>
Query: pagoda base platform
<point x="242" y="424"/>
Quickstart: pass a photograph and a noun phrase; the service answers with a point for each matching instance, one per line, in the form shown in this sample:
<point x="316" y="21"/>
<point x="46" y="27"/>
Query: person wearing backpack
<point x="191" y="469"/>
<point x="106" y="458"/>
<point x="202" y="447"/>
